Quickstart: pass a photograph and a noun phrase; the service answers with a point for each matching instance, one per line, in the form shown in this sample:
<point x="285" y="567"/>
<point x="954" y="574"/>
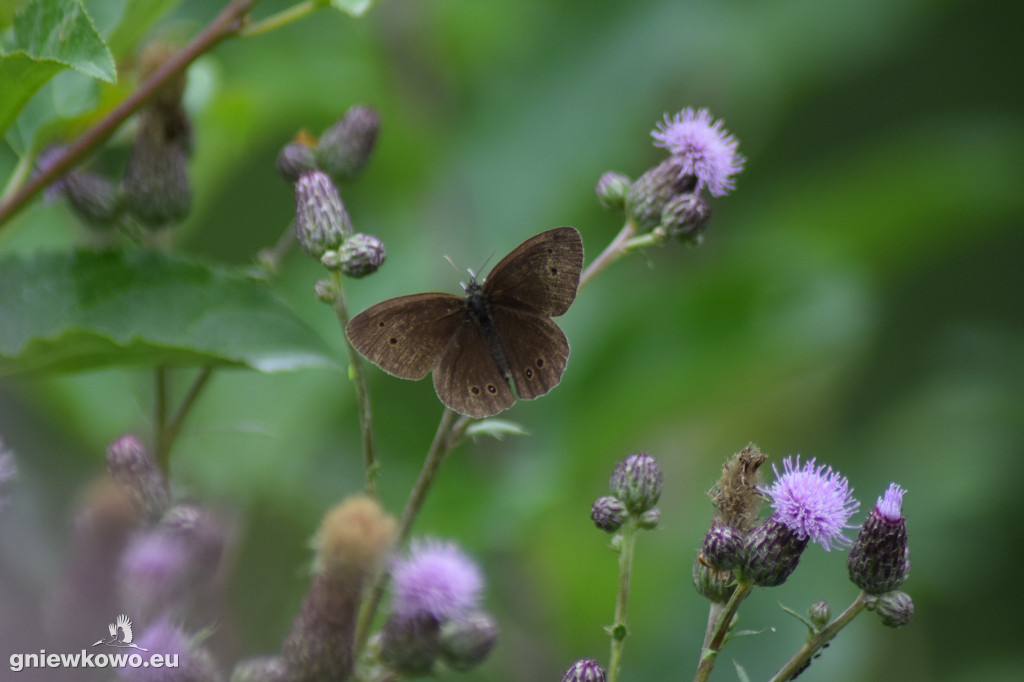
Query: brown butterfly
<point x="499" y="334"/>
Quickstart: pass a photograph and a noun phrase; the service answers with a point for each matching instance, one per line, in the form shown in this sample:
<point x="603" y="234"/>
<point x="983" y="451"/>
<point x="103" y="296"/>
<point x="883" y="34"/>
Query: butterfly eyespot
<point x="529" y="373"/>
<point x="540" y="362"/>
<point x="380" y="325"/>
<point x="492" y="389"/>
<point x="475" y="390"/>
<point x="554" y="271"/>
<point x="392" y="340"/>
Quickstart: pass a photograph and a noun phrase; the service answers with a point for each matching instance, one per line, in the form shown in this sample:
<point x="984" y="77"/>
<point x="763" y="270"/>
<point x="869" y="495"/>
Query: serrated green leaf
<point x="62" y="31"/>
<point x="85" y="310"/>
<point x="495" y="428"/>
<point x="354" y="7"/>
<point x="20" y="77"/>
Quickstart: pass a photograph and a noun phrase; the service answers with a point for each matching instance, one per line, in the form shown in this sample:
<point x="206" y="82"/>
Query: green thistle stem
<point x="283" y="18"/>
<point x="449" y="432"/>
<point x="619" y="629"/>
<point x="815" y="642"/>
<point x="355" y="363"/>
<point x="718" y="630"/>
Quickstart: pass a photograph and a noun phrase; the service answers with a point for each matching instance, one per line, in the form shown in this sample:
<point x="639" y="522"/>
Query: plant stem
<point x="449" y="433"/>
<point x="282" y="18"/>
<point x="719" y="630"/>
<point x="813" y="644"/>
<point x="612" y="253"/>
<point x="167" y="430"/>
<point x="619" y="629"/>
<point x="359" y="379"/>
<point x="227" y="23"/>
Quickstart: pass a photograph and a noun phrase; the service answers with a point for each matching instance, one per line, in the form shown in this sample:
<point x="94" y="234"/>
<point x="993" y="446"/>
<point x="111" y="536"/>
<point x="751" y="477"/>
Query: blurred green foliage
<point x="857" y="299"/>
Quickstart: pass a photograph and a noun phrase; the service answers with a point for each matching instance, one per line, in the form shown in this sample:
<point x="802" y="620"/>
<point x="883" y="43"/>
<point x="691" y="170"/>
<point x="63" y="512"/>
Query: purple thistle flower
<point x="437" y="579"/>
<point x="703" y="147"/>
<point x="814" y="502"/>
<point x="890" y="505"/>
<point x="154" y="572"/>
<point x="166" y="639"/>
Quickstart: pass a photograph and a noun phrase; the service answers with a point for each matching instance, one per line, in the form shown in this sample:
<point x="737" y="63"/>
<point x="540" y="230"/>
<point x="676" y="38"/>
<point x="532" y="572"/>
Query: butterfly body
<point x="498" y="336"/>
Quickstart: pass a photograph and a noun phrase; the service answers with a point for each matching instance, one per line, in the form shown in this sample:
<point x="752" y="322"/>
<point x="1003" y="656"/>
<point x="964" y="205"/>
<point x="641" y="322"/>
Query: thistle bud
<point x="723" y="547"/>
<point x="155" y="185"/>
<point x="410" y="645"/>
<point x="294" y="159"/>
<point x="466" y="642"/>
<point x="715" y="585"/>
<point x="895" y="608"/>
<point x="611" y="189"/>
<point x="819" y="614"/>
<point x="608" y="513"/>
<point x="345" y="147"/>
<point x="93" y="198"/>
<point x="584" y="670"/>
<point x="637" y="482"/>
<point x="879" y="559"/>
<point x="321" y="222"/>
<point x="130" y="465"/>
<point x="684" y="216"/>
<point x="772" y="553"/>
<point x="647" y="197"/>
<point x="361" y="255"/>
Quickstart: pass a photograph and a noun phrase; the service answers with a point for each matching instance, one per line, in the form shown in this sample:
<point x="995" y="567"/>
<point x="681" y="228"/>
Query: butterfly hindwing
<point x="541" y="274"/>
<point x="406" y="336"/>
<point x="536" y="349"/>
<point x="467" y="378"/>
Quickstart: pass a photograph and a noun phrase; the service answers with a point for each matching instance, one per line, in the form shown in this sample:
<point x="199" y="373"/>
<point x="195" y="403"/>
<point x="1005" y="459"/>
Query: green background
<point x="857" y="299"/>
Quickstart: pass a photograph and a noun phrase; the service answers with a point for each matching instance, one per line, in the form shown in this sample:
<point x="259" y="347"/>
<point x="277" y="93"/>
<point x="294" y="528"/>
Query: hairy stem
<point x="449" y="432"/>
<point x="720" y="630"/>
<point x="612" y="253"/>
<point x="229" y="22"/>
<point x="359" y="379"/>
<point x="813" y="644"/>
<point x="619" y="629"/>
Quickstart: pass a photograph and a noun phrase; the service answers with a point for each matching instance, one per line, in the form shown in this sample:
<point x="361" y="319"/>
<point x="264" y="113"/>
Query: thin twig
<point x="172" y="427"/>
<point x="612" y="253"/>
<point x="227" y="23"/>
<point x="362" y="392"/>
<point x="721" y="630"/>
<point x="449" y="433"/>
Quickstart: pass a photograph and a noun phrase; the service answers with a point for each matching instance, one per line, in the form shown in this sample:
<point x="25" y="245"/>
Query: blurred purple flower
<point x="436" y="579"/>
<point x="168" y="640"/>
<point x="703" y="147"/>
<point x="154" y="572"/>
<point x="813" y="502"/>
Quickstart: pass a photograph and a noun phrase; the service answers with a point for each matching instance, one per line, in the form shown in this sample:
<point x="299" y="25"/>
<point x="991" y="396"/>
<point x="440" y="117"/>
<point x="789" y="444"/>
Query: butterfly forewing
<point x="541" y="274"/>
<point x="406" y="336"/>
<point x="536" y="349"/>
<point x="467" y="378"/>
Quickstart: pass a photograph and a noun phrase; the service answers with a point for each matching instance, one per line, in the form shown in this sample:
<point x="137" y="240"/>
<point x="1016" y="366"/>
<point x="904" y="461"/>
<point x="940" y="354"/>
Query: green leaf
<point x="86" y="310"/>
<point x="741" y="672"/>
<point x="62" y="31"/>
<point x="354" y="7"/>
<point x="137" y="19"/>
<point x="20" y="77"/>
<point x="495" y="428"/>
